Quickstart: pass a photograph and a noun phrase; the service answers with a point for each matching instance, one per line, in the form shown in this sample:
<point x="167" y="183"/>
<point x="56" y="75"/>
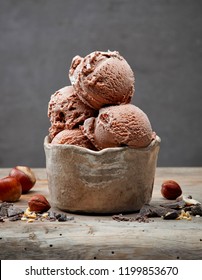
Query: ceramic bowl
<point x="113" y="180"/>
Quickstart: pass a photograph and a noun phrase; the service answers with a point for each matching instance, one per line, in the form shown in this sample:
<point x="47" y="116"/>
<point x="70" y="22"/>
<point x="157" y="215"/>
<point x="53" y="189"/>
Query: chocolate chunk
<point x="14" y="211"/>
<point x="4" y="209"/>
<point x="58" y="216"/>
<point x="153" y="211"/>
<point x="52" y="216"/>
<point x="187" y="208"/>
<point x="62" y="218"/>
<point x="196" y="210"/>
<point x="171" y="215"/>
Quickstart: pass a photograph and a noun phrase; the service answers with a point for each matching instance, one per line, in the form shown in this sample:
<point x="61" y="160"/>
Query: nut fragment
<point x="30" y="220"/>
<point x="188" y="201"/>
<point x="184" y="215"/>
<point x="27" y="213"/>
<point x="38" y="203"/>
<point x="45" y="215"/>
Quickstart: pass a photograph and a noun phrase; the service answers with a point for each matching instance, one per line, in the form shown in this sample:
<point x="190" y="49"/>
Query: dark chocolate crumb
<point x="196" y="210"/>
<point x="15" y="218"/>
<point x="62" y="218"/>
<point x="52" y="216"/>
<point x="171" y="215"/>
<point x="58" y="216"/>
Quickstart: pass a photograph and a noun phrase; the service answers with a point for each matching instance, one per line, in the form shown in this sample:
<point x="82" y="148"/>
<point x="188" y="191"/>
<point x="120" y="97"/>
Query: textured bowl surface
<point x="113" y="180"/>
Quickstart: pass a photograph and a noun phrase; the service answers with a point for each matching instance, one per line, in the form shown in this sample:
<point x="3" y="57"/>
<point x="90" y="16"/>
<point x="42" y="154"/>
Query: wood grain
<point x="100" y="237"/>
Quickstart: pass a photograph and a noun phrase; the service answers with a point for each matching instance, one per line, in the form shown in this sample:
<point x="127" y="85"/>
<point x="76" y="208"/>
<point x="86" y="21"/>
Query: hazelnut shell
<point x="25" y="176"/>
<point x="38" y="203"/>
<point x="170" y="189"/>
<point x="10" y="189"/>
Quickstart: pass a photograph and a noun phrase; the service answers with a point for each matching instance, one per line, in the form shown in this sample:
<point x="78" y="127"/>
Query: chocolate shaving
<point x="154" y="211"/>
<point x="174" y="205"/>
<point x="14" y="211"/>
<point x="15" y="218"/>
<point x="4" y="209"/>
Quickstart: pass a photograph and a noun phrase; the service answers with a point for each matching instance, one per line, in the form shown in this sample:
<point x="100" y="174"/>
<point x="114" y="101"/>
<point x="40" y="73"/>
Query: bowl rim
<point x="47" y="145"/>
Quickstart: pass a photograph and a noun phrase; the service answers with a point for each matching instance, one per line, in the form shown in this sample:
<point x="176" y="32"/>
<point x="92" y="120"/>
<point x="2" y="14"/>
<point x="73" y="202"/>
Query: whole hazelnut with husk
<point x="25" y="176"/>
<point x="170" y="189"/>
<point x="38" y="203"/>
<point x="10" y="189"/>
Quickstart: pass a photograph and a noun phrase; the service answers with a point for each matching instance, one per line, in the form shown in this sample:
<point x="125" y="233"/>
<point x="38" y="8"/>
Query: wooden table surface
<point x="101" y="237"/>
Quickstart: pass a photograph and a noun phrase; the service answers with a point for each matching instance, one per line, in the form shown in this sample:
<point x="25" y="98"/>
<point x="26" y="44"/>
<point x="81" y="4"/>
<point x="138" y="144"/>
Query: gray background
<point x="161" y="40"/>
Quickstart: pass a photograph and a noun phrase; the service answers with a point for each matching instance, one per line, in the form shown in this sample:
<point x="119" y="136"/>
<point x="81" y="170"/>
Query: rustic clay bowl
<point x="113" y="180"/>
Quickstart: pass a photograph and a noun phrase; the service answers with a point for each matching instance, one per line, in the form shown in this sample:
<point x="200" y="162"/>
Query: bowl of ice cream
<point x="101" y="151"/>
<point x="107" y="165"/>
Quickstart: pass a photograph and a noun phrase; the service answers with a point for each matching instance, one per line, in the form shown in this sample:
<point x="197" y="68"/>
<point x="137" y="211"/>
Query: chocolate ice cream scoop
<point x="102" y="78"/>
<point x="73" y="137"/>
<point x="67" y="111"/>
<point x="122" y="125"/>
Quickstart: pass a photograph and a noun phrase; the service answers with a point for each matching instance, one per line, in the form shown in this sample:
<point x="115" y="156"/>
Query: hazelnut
<point x="38" y="203"/>
<point x="10" y="189"/>
<point x="170" y="189"/>
<point x="188" y="200"/>
<point x="25" y="176"/>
